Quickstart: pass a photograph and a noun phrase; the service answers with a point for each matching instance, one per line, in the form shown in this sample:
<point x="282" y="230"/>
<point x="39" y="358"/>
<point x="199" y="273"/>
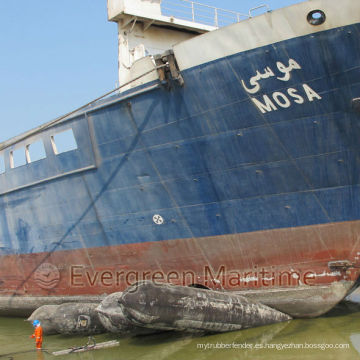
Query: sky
<point x="57" y="55"/>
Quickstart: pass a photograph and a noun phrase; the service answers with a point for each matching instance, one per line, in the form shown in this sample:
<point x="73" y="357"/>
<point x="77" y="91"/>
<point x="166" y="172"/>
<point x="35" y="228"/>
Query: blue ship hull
<point x="215" y="171"/>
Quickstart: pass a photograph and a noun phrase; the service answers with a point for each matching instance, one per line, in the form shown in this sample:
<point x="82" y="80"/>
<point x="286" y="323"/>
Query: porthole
<point x="316" y="17"/>
<point x="63" y="141"/>
<point x="17" y="158"/>
<point x="2" y="164"/>
<point x="35" y="151"/>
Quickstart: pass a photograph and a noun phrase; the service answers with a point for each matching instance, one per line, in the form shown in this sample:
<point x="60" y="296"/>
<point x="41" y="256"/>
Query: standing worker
<point x="38" y="334"/>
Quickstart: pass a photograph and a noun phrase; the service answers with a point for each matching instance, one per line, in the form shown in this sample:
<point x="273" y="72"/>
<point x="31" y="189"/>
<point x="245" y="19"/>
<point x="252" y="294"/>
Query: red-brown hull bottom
<point x="302" y="259"/>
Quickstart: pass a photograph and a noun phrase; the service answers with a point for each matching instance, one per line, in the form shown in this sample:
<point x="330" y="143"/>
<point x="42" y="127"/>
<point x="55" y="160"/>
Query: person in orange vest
<point x="38" y="334"/>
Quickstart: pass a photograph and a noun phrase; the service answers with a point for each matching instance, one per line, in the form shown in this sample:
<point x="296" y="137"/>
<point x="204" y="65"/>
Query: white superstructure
<point x="144" y="31"/>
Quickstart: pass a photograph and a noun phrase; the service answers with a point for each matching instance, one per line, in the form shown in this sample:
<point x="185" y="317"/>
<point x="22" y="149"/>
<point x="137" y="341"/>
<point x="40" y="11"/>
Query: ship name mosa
<point x="279" y="99"/>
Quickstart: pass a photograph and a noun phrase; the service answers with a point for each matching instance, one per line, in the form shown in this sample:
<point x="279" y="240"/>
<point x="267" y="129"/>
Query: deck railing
<point x="200" y="13"/>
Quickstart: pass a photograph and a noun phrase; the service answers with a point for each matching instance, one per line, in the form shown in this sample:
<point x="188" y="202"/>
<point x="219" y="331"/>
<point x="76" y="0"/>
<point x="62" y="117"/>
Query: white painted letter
<point x="254" y="90"/>
<point x="277" y="96"/>
<point x="311" y="94"/>
<point x="268" y="106"/>
<point x="293" y="93"/>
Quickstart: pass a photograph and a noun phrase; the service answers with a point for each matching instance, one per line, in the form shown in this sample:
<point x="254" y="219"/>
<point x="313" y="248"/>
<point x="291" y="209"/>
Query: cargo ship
<point x="228" y="159"/>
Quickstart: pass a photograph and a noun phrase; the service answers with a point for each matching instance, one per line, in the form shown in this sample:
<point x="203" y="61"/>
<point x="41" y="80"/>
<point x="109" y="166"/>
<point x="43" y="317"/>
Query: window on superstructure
<point x="63" y="142"/>
<point x="17" y="158"/>
<point x="35" y="151"/>
<point x="2" y="164"/>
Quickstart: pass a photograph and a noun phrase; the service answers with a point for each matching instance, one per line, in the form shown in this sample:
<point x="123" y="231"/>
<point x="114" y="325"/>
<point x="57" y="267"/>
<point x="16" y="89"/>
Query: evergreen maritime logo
<point x="47" y="276"/>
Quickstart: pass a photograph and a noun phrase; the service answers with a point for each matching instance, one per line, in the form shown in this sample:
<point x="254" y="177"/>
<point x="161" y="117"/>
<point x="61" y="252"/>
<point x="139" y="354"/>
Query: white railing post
<point x="202" y="12"/>
<point x="258" y="7"/>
